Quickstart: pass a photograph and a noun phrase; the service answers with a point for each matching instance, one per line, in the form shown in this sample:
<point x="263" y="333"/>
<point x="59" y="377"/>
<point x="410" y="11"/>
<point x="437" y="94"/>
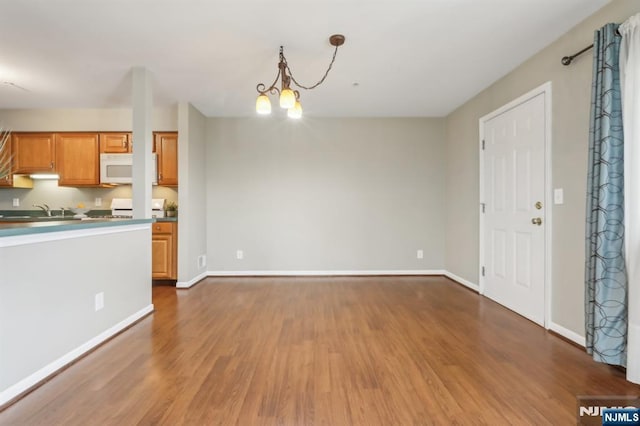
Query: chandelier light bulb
<point x="296" y="111"/>
<point x="287" y="98"/>
<point x="263" y="104"/>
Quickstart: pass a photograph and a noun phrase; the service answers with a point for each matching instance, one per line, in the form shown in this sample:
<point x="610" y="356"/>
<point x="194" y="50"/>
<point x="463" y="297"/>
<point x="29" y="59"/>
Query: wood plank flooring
<point x="324" y="351"/>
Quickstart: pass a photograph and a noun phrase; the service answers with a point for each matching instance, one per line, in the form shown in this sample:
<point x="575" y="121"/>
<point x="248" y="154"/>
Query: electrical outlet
<point x="239" y="254"/>
<point x="99" y="301"/>
<point x="202" y="261"/>
<point x="16" y="202"/>
<point x="420" y="254"/>
<point x="98" y="202"/>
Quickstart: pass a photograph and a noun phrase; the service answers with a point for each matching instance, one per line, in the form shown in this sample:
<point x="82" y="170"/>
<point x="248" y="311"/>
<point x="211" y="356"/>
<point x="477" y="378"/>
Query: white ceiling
<point x="409" y="57"/>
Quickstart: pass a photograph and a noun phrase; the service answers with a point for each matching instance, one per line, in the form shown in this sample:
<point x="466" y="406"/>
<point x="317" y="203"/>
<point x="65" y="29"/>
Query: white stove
<point x="123" y="207"/>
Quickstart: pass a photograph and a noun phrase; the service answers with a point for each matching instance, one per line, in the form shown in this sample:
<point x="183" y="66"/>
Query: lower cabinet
<point x="164" y="251"/>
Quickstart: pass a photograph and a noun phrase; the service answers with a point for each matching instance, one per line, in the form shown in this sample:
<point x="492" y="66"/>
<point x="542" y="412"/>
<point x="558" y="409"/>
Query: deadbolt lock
<point x="538" y="205"/>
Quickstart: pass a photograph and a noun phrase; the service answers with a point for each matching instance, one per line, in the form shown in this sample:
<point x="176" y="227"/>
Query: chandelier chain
<point x="319" y="82"/>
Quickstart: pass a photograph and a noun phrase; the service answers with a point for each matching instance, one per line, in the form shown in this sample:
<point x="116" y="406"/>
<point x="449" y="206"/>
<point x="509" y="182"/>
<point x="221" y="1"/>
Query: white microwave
<point x="118" y="168"/>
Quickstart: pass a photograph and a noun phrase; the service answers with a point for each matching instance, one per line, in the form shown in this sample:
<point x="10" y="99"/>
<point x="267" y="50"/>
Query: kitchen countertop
<point x="47" y="219"/>
<point x="28" y="216"/>
<point x="165" y="219"/>
<point x="40" y="227"/>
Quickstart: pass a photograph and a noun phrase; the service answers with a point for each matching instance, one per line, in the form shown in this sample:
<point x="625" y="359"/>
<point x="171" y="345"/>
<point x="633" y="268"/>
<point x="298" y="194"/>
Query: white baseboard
<point x="566" y="333"/>
<point x="187" y="284"/>
<point x="398" y="272"/>
<point x="325" y="273"/>
<point x="46" y="371"/>
<point x="462" y="281"/>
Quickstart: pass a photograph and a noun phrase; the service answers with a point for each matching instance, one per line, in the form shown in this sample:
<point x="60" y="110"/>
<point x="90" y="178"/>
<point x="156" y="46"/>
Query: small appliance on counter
<point x="123" y="207"/>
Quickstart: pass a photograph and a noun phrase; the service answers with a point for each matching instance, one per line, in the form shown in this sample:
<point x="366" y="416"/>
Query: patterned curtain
<point x="630" y="83"/>
<point x="605" y="273"/>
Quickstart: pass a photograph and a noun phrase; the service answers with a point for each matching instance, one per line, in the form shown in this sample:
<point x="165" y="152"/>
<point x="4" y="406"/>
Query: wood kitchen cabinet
<point x="33" y="152"/>
<point x="11" y="181"/>
<point x="166" y="147"/>
<point x="77" y="159"/>
<point x="5" y="156"/>
<point x="164" y="250"/>
<point x="115" y="143"/>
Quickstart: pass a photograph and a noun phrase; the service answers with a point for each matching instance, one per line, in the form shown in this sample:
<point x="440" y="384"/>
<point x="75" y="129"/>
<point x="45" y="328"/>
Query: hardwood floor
<point x="327" y="351"/>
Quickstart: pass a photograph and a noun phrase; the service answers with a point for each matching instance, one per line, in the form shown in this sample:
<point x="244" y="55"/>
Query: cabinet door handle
<point x="51" y="165"/>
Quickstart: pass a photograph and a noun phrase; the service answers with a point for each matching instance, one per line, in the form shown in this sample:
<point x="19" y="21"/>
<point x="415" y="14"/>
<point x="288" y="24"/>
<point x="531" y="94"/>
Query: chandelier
<point x="289" y="98"/>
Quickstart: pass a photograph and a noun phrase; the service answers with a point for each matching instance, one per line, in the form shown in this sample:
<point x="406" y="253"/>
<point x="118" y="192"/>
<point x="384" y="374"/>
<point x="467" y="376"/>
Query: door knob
<point x="536" y="221"/>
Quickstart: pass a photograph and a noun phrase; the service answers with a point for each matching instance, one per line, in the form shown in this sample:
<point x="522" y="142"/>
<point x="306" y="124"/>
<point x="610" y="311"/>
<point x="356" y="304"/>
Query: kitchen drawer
<point x="162" y="227"/>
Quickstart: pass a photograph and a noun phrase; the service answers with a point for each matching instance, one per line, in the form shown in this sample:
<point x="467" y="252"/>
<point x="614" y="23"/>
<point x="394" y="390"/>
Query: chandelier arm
<point x="333" y="59"/>
<point x="261" y="88"/>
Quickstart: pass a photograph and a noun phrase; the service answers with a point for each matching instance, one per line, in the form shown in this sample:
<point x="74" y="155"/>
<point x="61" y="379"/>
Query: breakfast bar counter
<point x="27" y="227"/>
<point x="65" y="287"/>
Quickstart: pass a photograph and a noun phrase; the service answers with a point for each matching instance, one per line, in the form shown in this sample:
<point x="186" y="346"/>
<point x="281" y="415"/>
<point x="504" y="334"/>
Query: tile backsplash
<point x="48" y="192"/>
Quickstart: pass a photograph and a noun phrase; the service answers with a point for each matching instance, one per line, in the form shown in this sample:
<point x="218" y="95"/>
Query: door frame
<point x="548" y="199"/>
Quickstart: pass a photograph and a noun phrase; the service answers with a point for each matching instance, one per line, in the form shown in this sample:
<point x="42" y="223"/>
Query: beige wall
<point x="325" y="194"/>
<point x="570" y="122"/>
<point x="48" y="192"/>
<point x="192" y="236"/>
<point x="82" y="119"/>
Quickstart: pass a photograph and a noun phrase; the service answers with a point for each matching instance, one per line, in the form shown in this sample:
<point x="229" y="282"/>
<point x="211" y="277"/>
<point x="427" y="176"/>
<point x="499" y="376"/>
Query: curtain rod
<point x="568" y="59"/>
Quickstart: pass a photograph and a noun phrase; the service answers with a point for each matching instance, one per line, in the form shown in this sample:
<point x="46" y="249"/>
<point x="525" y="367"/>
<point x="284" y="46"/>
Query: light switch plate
<point x="558" y="196"/>
<point x="99" y="301"/>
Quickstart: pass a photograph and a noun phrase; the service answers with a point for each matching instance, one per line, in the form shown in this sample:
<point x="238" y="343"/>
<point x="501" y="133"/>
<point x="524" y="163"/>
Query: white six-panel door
<point x="514" y="208"/>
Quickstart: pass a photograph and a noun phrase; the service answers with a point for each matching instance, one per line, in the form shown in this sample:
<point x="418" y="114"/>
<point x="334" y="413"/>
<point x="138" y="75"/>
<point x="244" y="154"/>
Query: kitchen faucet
<point x="45" y="208"/>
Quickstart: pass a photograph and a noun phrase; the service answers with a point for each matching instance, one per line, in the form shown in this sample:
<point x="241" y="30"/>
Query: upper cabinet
<point x="166" y="148"/>
<point x="33" y="152"/>
<point x="11" y="181"/>
<point x="77" y="159"/>
<point x="5" y="156"/>
<point x="115" y="143"/>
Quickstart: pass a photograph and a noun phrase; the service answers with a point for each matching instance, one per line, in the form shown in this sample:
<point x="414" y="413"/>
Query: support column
<point x="142" y="108"/>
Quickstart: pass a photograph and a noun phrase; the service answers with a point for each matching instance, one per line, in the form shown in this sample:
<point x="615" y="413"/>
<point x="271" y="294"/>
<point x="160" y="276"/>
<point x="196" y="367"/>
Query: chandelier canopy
<point x="290" y="98"/>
